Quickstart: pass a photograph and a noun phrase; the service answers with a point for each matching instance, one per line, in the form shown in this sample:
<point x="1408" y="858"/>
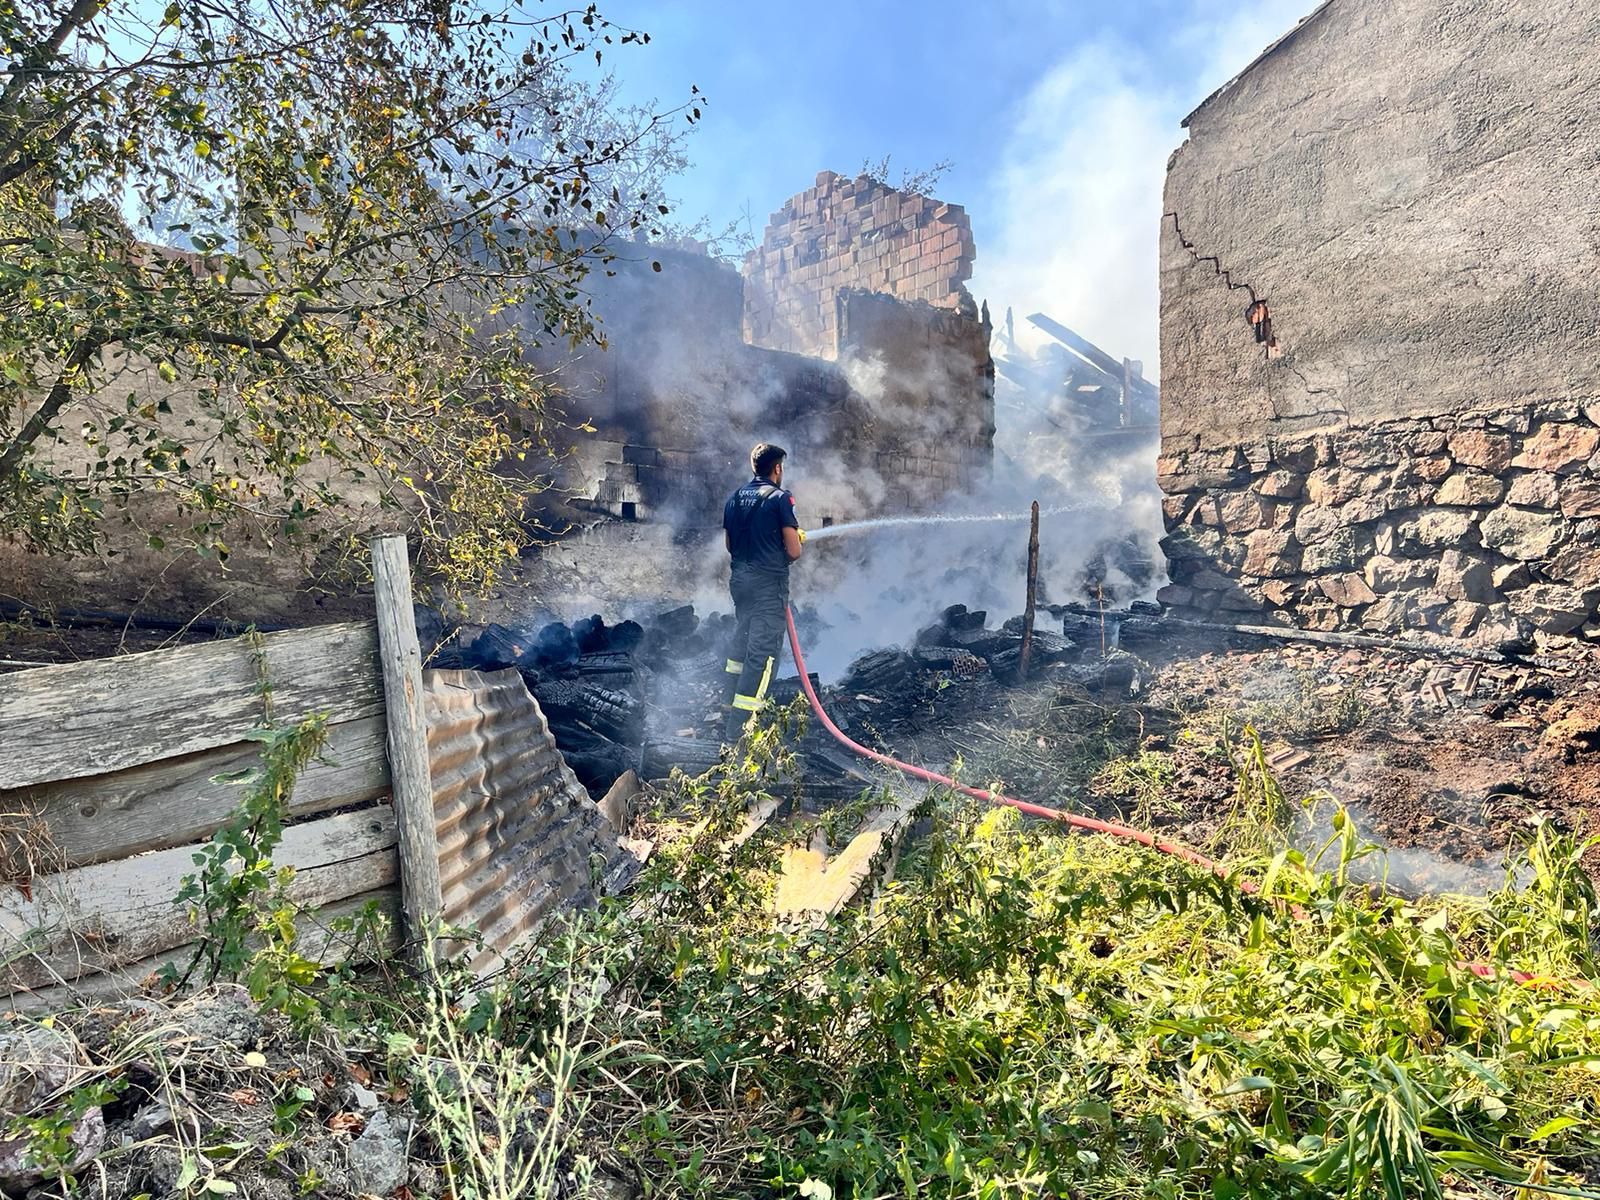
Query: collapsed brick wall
<point x="1483" y="526"/>
<point x="896" y="414"/>
<point x="851" y="233"/>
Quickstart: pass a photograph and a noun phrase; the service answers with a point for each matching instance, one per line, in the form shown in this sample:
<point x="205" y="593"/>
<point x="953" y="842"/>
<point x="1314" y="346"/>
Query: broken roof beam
<point x="1081" y="369"/>
<point x="1023" y="375"/>
<point x="1090" y="353"/>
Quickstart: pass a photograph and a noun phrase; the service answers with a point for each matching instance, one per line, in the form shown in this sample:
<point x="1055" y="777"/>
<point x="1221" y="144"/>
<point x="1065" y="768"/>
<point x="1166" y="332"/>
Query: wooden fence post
<point x="421" y="897"/>
<point x="1026" y="657"/>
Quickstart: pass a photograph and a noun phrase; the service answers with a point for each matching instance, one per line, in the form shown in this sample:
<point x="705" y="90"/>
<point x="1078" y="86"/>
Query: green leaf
<point x="1552" y="1127"/>
<point x="1248" y="1083"/>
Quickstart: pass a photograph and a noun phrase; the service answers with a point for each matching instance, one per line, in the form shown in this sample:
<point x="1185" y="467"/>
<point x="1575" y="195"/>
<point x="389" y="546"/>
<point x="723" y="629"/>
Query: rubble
<point x="212" y="1070"/>
<point x="378" y="1163"/>
<point x="644" y="696"/>
<point x="1107" y="677"/>
<point x="39" y="1067"/>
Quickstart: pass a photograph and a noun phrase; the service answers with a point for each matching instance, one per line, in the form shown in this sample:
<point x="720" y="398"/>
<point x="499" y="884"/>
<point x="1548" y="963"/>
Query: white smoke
<point x="1070" y="226"/>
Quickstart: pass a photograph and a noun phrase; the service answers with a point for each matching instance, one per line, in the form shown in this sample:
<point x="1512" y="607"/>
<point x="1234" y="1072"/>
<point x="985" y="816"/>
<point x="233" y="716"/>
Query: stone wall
<point x="1473" y="525"/>
<point x="851" y="233"/>
<point x="1405" y="443"/>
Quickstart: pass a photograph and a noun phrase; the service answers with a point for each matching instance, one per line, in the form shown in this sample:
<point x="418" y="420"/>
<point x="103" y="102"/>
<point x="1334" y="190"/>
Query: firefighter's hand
<point x="802" y="534"/>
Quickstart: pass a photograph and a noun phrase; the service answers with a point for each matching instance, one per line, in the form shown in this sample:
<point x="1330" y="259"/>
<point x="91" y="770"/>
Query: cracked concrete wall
<point x="1410" y="186"/>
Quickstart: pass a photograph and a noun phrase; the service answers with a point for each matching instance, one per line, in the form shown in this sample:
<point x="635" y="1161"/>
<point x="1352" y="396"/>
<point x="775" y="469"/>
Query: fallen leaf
<point x="399" y="1093"/>
<point x="255" y="1059"/>
<point x="347" y="1122"/>
<point x="360" y="1074"/>
<point x="246" y="1096"/>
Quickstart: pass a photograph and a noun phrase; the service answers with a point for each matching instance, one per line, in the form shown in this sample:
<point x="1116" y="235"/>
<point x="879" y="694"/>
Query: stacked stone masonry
<point x="851" y="234"/>
<point x="1482" y="526"/>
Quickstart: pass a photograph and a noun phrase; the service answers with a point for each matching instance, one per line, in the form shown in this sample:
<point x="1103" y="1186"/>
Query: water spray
<point x="875" y="523"/>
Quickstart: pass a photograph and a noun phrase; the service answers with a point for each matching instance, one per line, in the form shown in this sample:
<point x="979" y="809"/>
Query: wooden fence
<point x="112" y="773"/>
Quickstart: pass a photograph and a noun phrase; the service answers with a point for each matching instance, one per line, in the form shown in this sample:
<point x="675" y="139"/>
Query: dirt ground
<point x="1444" y="762"/>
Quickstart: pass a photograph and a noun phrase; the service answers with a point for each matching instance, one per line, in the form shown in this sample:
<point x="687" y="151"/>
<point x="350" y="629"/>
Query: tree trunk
<point x="33" y="428"/>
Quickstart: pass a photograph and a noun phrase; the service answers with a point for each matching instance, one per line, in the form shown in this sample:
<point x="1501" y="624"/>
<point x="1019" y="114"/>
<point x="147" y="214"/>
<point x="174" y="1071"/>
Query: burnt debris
<point x="645" y="696"/>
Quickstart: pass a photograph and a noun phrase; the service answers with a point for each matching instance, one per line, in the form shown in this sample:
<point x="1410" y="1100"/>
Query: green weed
<point x="1030" y="1013"/>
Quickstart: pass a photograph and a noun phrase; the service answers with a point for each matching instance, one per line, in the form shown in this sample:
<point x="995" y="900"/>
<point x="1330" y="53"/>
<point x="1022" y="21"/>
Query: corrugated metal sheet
<point x="519" y="837"/>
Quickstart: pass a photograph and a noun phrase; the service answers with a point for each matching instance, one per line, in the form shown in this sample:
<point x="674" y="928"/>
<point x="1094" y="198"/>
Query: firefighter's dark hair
<point x="766" y="456"/>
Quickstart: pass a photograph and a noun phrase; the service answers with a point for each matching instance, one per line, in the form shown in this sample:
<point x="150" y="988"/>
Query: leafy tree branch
<point x="368" y="214"/>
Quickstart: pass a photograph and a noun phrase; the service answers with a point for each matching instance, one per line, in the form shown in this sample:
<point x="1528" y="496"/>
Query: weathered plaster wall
<point x="148" y="562"/>
<point x="1410" y="186"/>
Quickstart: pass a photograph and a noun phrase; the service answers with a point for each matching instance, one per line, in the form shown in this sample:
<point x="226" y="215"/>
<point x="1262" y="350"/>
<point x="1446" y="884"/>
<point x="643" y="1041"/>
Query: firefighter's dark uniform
<point x="755" y="518"/>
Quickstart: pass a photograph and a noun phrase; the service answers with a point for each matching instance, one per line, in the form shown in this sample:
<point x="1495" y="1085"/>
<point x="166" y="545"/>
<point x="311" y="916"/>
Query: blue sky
<point x="1059" y="117"/>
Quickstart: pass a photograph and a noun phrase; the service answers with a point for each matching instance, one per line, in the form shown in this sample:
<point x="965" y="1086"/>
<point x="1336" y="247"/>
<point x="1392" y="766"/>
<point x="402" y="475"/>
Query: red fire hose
<point x="1090" y="824"/>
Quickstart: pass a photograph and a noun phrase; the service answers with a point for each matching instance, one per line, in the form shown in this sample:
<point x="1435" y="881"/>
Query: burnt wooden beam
<point x="1092" y="354"/>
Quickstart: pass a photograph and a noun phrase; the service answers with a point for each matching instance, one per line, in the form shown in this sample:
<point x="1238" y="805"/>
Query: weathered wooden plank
<point x="316" y="943"/>
<point x="100" y="917"/>
<point x="179" y="800"/>
<point x="95" y="717"/>
<point x="406" y="709"/>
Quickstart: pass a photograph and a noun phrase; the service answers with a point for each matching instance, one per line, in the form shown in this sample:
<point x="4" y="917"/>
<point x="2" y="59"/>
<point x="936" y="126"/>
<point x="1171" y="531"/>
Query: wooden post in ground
<point x="1033" y="587"/>
<point x="421" y="897"/>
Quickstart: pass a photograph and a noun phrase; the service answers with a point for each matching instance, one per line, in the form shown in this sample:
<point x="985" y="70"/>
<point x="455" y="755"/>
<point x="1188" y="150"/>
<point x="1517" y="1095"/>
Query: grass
<point x="1146" y="778"/>
<point x="1027" y="1013"/>
<point x="1023" y="1012"/>
<point x="1311" y="708"/>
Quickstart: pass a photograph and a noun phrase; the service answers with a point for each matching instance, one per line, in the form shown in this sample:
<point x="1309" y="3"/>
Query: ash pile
<point x="646" y="696"/>
<point x="598" y="684"/>
<point x="962" y="661"/>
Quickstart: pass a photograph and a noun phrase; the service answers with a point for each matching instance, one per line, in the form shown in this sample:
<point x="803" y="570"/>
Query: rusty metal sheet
<point x="519" y="838"/>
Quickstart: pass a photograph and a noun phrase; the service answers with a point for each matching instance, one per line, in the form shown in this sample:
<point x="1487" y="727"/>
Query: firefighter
<point x="763" y="537"/>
